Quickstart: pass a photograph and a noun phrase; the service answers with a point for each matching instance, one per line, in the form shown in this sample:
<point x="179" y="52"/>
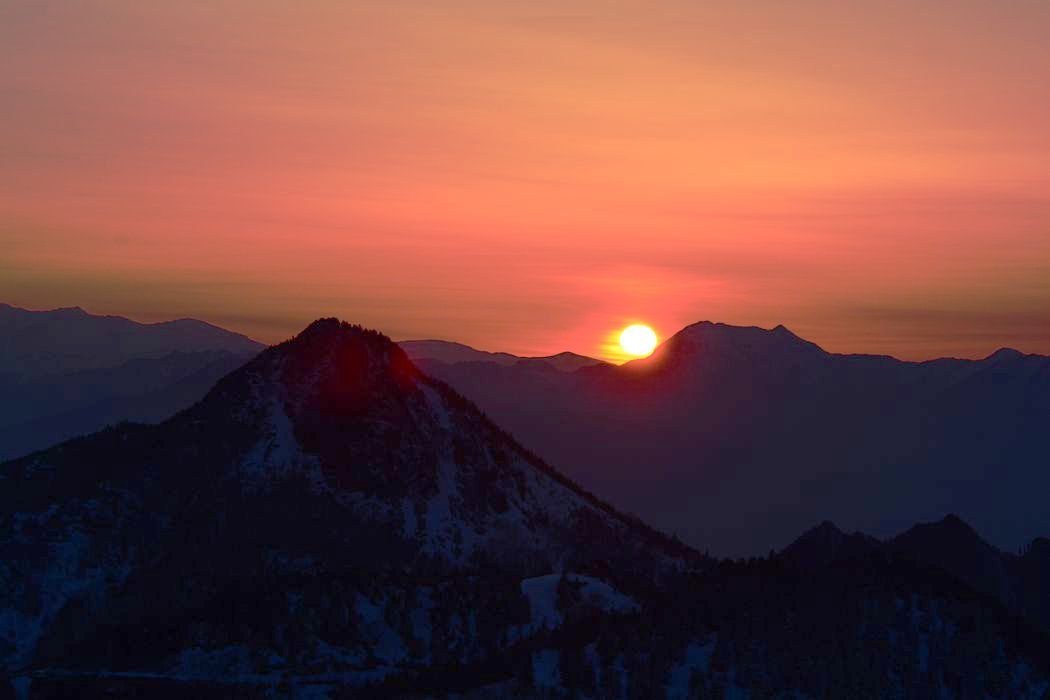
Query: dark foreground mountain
<point x="66" y="372"/>
<point x="1019" y="582"/>
<point x="330" y="470"/>
<point x="330" y="522"/>
<point x="735" y="438"/>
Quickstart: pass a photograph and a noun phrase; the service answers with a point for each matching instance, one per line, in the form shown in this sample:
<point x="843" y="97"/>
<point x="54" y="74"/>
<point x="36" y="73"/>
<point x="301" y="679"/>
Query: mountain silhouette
<point x="66" y="372"/>
<point x="950" y="545"/>
<point x="59" y="341"/>
<point x="330" y="454"/>
<point x="826" y="544"/>
<point x="455" y="353"/>
<point x="331" y="521"/>
<point x="735" y="438"/>
<point x="954" y="546"/>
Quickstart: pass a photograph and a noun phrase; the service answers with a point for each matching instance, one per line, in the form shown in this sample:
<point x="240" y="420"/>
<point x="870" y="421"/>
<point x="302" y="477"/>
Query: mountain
<point x="734" y="438"/>
<point x="65" y="372"/>
<point x="826" y="544"/>
<point x="952" y="545"/>
<point x="37" y="343"/>
<point x="454" y="353"/>
<point x="329" y="458"/>
<point x="329" y="521"/>
<point x="1017" y="581"/>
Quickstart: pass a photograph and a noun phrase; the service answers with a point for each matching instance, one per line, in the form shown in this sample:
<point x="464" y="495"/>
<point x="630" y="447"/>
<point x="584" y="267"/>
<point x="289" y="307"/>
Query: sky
<point x="531" y="176"/>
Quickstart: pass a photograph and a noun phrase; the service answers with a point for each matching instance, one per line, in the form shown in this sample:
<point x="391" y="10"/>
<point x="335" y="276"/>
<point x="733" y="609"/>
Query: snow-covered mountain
<point x="65" y="372"/>
<point x="329" y="455"/>
<point x="736" y="438"/>
<point x="329" y="521"/>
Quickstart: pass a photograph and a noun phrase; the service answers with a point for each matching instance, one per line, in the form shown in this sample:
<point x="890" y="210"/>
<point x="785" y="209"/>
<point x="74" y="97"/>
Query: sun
<point x="638" y="340"/>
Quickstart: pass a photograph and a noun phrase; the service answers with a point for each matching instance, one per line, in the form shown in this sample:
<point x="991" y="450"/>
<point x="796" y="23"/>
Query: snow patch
<point x="545" y="668"/>
<point x="384" y="643"/>
<point x="21" y="687"/>
<point x="542" y="593"/>
<point x="697" y="657"/>
<point x="197" y="662"/>
<point x="437" y="407"/>
<point x="62" y="574"/>
<point x="277" y="454"/>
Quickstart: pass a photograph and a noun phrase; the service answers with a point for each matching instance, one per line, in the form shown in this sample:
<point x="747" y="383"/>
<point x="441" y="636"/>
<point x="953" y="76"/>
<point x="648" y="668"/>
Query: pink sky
<point x="531" y="176"/>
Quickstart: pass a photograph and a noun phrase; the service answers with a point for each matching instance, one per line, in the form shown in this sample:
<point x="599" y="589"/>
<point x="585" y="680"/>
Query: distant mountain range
<point x="41" y="343"/>
<point x="735" y="438"/>
<point x="66" y="372"/>
<point x="330" y="521"/>
<point x="456" y="353"/>
<point x="732" y="438"/>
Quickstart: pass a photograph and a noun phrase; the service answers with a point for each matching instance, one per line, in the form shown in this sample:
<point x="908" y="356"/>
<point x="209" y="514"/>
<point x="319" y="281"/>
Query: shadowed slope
<point x="737" y="437"/>
<point x="328" y="455"/>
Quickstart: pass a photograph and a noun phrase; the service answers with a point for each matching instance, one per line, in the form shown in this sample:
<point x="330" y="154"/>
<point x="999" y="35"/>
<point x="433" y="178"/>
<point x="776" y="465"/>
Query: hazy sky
<point x="529" y="176"/>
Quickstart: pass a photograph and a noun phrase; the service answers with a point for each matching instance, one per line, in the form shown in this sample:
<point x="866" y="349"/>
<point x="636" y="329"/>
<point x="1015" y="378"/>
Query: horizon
<point x="536" y="177"/>
<point x="616" y="358"/>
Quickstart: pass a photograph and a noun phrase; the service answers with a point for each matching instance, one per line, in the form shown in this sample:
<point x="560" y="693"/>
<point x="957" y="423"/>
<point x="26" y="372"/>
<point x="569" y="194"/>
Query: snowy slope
<point x="329" y="453"/>
<point x="329" y="521"/>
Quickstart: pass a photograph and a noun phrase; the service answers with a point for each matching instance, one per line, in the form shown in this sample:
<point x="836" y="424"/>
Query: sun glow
<point x="638" y="340"/>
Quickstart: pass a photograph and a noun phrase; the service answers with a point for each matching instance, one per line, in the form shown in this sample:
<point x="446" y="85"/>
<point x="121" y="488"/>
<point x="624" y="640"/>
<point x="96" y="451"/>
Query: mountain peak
<point x="720" y="339"/>
<point x="953" y="546"/>
<point x="344" y="407"/>
<point x="949" y="535"/>
<point x="826" y="543"/>
<point x="332" y="334"/>
<point x="742" y="334"/>
<point x="1004" y="354"/>
<point x="955" y="522"/>
<point x="325" y="326"/>
<point x="341" y="366"/>
<point x="951" y="525"/>
<point x="68" y="312"/>
<point x="824" y="534"/>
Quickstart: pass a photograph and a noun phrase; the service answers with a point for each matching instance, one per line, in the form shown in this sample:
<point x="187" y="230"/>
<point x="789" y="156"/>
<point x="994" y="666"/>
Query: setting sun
<point x="638" y="340"/>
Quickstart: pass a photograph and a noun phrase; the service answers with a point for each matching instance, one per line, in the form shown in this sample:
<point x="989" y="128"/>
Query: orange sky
<point x="528" y="176"/>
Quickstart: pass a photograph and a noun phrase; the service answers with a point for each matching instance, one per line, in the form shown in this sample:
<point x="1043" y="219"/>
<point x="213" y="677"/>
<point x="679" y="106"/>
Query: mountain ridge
<point x="66" y="372"/>
<point x="328" y="520"/>
<point x="333" y="426"/>
<point x="949" y="544"/>
<point x="38" y="343"/>
<point x="452" y="352"/>
<point x="756" y="432"/>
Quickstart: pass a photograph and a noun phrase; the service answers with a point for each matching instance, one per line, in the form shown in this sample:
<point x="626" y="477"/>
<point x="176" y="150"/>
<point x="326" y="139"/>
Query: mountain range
<point x="735" y="438"/>
<point x="328" y="463"/>
<point x="455" y="353"/>
<point x="731" y="438"/>
<point x="331" y="521"/>
<point x="66" y="372"/>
